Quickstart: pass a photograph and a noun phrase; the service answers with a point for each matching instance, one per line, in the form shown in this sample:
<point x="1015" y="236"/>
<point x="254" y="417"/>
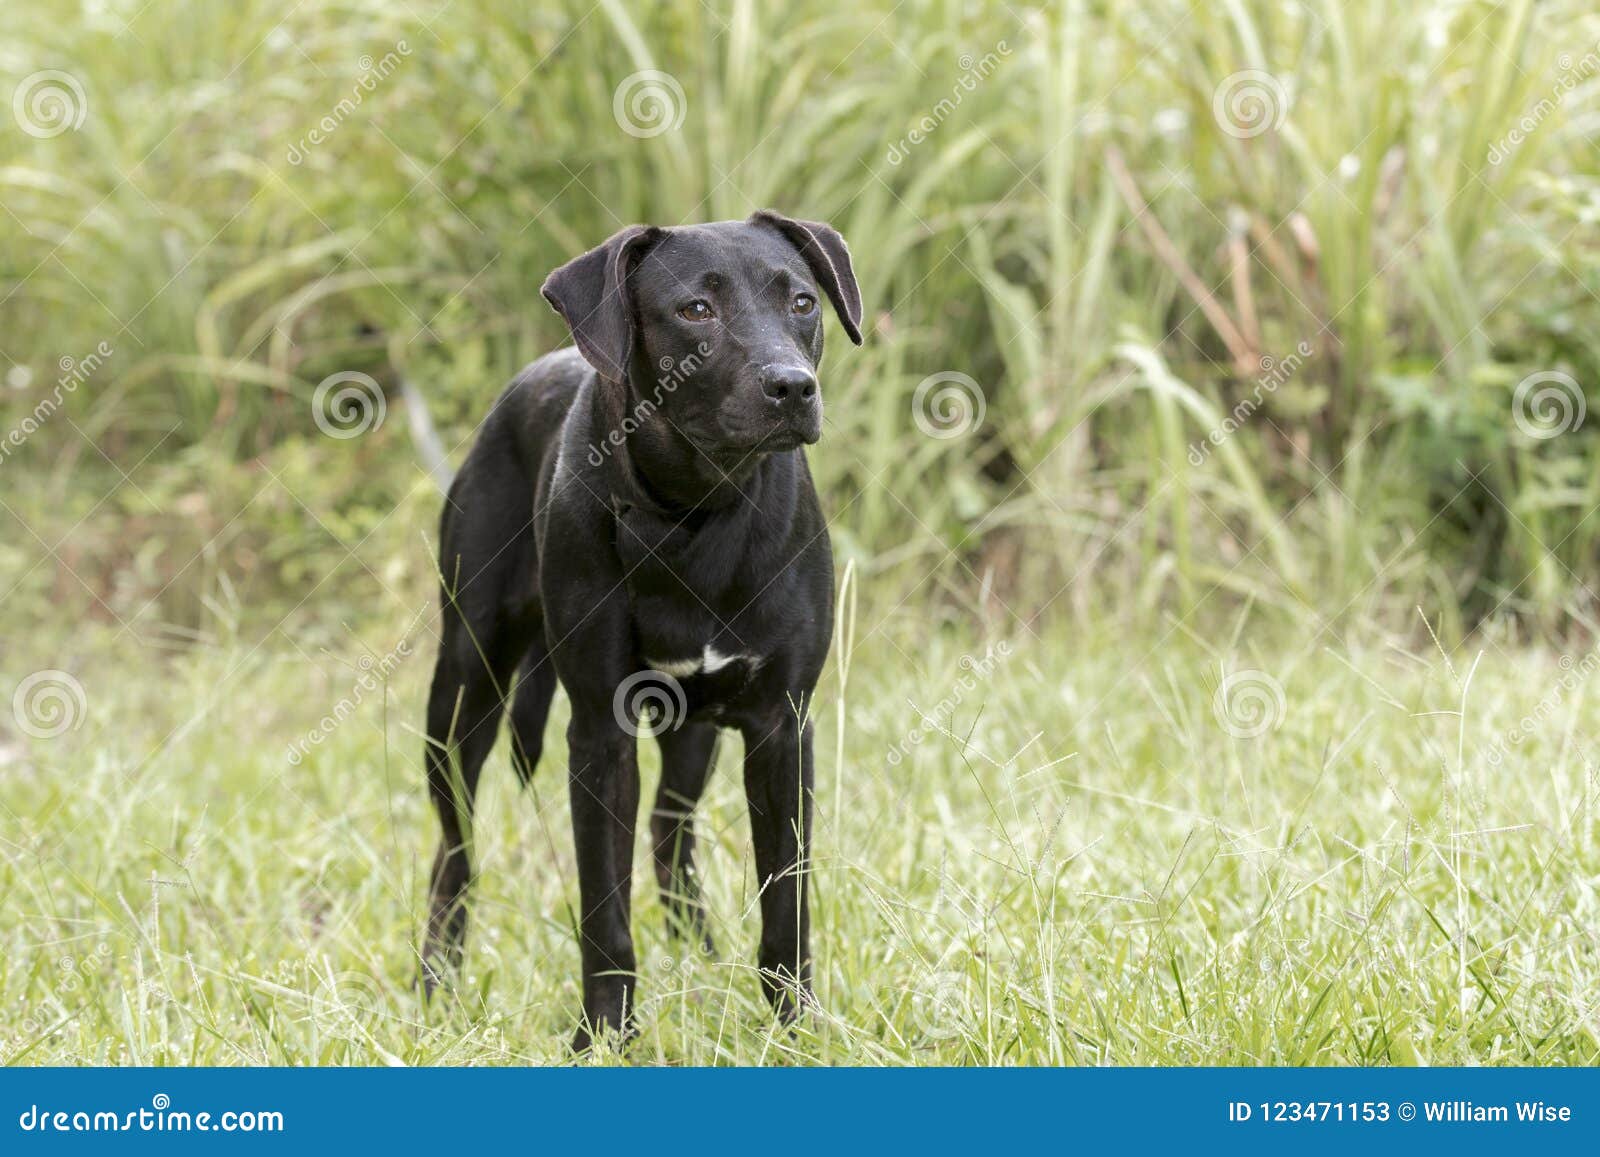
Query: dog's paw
<point x="790" y="999"/>
<point x="582" y="1041"/>
<point x="587" y="1042"/>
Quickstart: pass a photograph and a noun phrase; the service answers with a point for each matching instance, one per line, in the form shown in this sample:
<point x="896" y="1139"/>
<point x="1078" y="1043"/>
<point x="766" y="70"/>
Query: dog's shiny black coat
<point x="637" y="520"/>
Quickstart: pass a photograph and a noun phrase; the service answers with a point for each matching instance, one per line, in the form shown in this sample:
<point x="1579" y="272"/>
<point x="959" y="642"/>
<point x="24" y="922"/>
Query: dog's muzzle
<point x="795" y="399"/>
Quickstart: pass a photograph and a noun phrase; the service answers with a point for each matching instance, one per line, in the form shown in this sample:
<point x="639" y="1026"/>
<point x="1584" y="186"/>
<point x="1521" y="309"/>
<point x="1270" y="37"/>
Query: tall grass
<point x="1069" y="862"/>
<point x="1109" y="323"/>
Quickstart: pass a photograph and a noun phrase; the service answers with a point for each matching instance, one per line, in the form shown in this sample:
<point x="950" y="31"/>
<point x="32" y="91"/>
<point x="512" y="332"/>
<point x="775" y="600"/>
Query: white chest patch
<point x="710" y="662"/>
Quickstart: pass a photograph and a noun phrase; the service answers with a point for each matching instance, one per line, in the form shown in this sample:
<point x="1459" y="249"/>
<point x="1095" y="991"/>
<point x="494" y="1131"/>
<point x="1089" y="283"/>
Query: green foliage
<point x="1379" y="216"/>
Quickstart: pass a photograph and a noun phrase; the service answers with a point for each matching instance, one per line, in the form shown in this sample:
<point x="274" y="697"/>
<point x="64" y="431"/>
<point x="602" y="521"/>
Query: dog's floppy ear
<point x="590" y="293"/>
<point x="829" y="258"/>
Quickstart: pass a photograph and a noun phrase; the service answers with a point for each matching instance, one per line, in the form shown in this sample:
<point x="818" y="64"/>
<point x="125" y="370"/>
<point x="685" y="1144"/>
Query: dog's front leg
<point x="777" y="780"/>
<point x="604" y="774"/>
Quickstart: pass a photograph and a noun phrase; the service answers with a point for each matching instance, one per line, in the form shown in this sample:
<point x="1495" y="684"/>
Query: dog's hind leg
<point x="687" y="758"/>
<point x="464" y="709"/>
<point x="530" y="708"/>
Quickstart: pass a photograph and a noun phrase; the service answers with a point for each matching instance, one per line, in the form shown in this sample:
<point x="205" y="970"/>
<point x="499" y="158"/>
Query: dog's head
<point x="718" y="328"/>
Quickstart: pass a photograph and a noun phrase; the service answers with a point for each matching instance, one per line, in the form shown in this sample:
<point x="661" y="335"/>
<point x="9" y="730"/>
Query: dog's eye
<point x="804" y="303"/>
<point x="696" y="311"/>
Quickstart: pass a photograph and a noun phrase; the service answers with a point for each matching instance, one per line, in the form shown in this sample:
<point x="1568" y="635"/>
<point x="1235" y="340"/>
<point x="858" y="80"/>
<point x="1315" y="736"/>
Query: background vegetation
<point x="1278" y="320"/>
<point x="1370" y="223"/>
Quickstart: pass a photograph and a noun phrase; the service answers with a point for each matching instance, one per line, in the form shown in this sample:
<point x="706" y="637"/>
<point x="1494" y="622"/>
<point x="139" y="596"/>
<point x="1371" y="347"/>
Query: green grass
<point x="1079" y="864"/>
<point x="1076" y="864"/>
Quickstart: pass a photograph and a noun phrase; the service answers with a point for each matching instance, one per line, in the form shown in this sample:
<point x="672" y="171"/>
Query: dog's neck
<point x="655" y="467"/>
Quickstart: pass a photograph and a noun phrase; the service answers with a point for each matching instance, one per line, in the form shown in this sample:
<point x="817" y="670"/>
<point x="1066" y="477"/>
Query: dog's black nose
<point x="789" y="385"/>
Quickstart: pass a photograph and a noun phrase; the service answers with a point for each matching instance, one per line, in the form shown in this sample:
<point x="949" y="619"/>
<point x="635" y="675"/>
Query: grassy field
<point x="1030" y="851"/>
<point x="1217" y="485"/>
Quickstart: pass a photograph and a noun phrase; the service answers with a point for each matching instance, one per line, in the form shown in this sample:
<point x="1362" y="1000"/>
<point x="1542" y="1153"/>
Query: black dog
<point x="637" y="519"/>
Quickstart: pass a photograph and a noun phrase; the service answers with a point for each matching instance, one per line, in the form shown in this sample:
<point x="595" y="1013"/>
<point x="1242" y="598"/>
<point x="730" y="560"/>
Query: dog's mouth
<point x="791" y="435"/>
<point x="749" y="430"/>
<point x="803" y="427"/>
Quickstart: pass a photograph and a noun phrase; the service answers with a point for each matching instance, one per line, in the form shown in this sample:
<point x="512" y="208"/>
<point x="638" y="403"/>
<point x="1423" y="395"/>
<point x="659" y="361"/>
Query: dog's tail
<point x="425" y="436"/>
